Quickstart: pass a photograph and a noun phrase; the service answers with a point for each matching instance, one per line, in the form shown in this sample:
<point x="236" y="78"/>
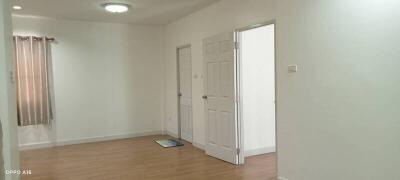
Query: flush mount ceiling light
<point x="116" y="7"/>
<point x="17" y="7"/>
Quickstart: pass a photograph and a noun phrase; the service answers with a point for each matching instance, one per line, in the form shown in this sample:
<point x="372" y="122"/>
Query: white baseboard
<point x="40" y="145"/>
<point x="169" y="133"/>
<point x="259" y="151"/>
<point x="197" y="145"/>
<point x="85" y="140"/>
<point x="282" y="178"/>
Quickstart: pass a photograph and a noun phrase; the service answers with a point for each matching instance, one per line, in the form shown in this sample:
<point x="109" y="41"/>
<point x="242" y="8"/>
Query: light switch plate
<point x="292" y="68"/>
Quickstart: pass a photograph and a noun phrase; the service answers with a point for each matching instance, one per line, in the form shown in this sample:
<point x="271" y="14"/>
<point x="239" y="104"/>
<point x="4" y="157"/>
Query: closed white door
<point x="219" y="97"/>
<point x="185" y="93"/>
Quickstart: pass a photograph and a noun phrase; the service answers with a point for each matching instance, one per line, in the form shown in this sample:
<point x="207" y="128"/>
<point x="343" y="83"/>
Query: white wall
<point x="223" y="16"/>
<point x="107" y="80"/>
<point x="8" y="106"/>
<point x="338" y="117"/>
<point x="257" y="53"/>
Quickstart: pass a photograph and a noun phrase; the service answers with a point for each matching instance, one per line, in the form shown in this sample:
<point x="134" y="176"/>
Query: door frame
<point x="178" y="77"/>
<point x="239" y="86"/>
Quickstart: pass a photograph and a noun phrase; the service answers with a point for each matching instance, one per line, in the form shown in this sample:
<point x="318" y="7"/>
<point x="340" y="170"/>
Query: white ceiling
<point x="156" y="12"/>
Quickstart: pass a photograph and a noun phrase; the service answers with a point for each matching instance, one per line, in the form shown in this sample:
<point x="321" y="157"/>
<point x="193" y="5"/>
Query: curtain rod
<point x="51" y="39"/>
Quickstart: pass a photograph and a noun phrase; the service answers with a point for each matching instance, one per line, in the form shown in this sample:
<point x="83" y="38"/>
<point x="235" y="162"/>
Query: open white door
<point x="219" y="82"/>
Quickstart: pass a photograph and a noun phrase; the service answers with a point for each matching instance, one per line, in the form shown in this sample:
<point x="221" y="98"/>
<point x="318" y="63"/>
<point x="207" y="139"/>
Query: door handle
<point x="205" y="97"/>
<point x="180" y="94"/>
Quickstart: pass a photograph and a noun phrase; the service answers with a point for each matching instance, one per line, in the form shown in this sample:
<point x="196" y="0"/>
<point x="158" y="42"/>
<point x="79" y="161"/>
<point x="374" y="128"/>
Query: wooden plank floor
<point x="139" y="159"/>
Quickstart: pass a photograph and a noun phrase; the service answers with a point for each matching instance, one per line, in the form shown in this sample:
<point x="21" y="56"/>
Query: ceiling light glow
<point x="116" y="7"/>
<point x="17" y="7"/>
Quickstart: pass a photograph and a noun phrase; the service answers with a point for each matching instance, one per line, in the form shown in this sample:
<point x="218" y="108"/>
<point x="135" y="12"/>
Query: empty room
<point x="199" y="89"/>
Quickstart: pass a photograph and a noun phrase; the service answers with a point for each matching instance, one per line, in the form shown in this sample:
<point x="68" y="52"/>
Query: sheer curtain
<point x="32" y="80"/>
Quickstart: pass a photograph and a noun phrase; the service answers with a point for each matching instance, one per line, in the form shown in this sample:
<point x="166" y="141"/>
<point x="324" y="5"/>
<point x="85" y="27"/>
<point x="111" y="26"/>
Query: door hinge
<point x="236" y="45"/>
<point x="238" y="151"/>
<point x="11" y="76"/>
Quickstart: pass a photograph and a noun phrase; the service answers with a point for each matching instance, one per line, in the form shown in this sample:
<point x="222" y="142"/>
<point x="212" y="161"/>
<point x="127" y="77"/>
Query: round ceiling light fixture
<point x="116" y="7"/>
<point x="16" y="7"/>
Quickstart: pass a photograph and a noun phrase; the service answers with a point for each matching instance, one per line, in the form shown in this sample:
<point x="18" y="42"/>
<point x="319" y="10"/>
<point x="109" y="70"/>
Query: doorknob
<point x="180" y="94"/>
<point x="205" y="97"/>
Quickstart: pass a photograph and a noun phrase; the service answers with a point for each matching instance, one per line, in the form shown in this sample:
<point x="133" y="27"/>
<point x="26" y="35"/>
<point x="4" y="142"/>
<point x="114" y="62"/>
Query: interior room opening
<point x="185" y="122"/>
<point x="257" y="87"/>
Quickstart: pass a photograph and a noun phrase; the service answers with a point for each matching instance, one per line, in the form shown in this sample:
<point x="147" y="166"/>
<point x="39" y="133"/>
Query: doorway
<point x="239" y="93"/>
<point x="185" y="122"/>
<point x="256" y="90"/>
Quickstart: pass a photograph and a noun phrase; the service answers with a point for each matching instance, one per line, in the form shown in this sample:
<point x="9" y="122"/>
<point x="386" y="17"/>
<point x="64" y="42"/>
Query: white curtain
<point x="32" y="80"/>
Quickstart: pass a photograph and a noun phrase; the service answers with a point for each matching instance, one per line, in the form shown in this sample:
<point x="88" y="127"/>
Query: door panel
<point x="185" y="88"/>
<point x="227" y="79"/>
<point x="212" y="70"/>
<point x="212" y="116"/>
<point x="220" y="92"/>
